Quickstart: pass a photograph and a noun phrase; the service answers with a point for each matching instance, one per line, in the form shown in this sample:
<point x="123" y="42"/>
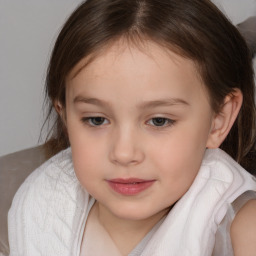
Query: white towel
<point x="48" y="213"/>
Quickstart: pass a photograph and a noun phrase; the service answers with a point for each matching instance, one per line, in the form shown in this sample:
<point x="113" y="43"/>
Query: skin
<point x="128" y="89"/>
<point x="243" y="229"/>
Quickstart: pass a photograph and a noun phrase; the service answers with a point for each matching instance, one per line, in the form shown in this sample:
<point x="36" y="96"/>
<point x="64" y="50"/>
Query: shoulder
<point x="39" y="185"/>
<point x="47" y="174"/>
<point x="46" y="203"/>
<point x="243" y="230"/>
<point x="46" y="181"/>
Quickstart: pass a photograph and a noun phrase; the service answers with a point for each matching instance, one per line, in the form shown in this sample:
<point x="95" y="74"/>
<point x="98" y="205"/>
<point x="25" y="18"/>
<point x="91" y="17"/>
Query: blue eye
<point x="161" y="121"/>
<point x="95" y="121"/>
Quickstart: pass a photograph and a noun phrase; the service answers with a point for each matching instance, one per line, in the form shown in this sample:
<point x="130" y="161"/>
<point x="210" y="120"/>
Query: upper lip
<point x="129" y="180"/>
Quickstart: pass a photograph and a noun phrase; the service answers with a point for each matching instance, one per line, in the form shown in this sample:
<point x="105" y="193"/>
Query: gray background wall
<point x="27" y="32"/>
<point x="28" y="29"/>
<point x="237" y="10"/>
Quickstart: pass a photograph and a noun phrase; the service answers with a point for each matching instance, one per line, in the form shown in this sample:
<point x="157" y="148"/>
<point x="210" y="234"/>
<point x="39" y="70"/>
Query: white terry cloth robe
<point x="49" y="211"/>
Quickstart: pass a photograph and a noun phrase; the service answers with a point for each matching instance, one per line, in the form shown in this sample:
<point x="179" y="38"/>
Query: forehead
<point x="126" y="65"/>
<point x="122" y="46"/>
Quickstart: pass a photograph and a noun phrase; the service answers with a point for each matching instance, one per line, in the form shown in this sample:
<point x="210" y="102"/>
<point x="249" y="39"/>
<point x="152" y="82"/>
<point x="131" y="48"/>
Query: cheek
<point x="181" y="147"/>
<point x="86" y="164"/>
<point x="177" y="168"/>
<point x="87" y="154"/>
<point x="179" y="156"/>
<point x="85" y="147"/>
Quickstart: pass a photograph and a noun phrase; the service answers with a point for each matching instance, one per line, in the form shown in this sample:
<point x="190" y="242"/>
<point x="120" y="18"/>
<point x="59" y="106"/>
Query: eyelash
<point x="166" y="122"/>
<point x="88" y="121"/>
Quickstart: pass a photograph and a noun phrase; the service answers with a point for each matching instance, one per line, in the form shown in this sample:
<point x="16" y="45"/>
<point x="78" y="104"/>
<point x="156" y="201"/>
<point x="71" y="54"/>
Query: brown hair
<point x="195" y="29"/>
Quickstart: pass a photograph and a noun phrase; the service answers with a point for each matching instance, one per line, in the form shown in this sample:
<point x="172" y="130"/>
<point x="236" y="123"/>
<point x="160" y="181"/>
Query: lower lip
<point x="130" y="189"/>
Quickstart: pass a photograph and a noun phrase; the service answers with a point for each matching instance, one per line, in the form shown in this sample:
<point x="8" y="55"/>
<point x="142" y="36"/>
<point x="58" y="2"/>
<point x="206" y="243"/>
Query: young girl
<point x="146" y="92"/>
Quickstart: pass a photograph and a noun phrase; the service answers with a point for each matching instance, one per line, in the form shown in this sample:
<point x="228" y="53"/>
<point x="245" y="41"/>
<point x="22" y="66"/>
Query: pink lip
<point x="131" y="186"/>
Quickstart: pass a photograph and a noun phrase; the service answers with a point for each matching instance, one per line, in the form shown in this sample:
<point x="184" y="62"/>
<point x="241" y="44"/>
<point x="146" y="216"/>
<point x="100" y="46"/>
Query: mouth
<point x="131" y="186"/>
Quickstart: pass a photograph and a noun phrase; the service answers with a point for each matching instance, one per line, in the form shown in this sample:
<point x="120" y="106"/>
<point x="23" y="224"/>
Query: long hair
<point x="195" y="29"/>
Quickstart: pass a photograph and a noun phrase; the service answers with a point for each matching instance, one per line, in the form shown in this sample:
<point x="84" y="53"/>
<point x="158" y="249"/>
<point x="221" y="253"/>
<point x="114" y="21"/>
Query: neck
<point x="132" y="231"/>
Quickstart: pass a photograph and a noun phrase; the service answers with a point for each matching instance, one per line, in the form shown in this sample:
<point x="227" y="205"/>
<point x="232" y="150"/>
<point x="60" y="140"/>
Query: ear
<point x="60" y="110"/>
<point x="224" y="120"/>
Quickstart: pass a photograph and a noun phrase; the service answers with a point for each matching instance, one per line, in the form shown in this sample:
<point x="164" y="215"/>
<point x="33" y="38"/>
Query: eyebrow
<point x="163" y="102"/>
<point x="143" y="105"/>
<point x="93" y="101"/>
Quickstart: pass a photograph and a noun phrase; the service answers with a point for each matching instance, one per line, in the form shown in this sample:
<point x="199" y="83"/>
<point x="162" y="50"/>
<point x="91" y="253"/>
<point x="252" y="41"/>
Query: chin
<point x="134" y="213"/>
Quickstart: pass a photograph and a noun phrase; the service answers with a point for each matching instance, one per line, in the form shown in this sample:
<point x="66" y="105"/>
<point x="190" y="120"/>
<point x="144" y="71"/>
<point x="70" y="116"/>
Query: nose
<point x="126" y="148"/>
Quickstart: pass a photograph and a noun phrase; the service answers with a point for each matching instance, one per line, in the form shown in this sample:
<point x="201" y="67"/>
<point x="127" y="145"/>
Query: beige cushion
<point x="14" y="168"/>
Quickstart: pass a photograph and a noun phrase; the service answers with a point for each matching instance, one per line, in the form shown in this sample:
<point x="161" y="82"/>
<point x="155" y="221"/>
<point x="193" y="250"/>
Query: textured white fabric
<point x="48" y="213"/>
<point x="189" y="229"/>
<point x="46" y="217"/>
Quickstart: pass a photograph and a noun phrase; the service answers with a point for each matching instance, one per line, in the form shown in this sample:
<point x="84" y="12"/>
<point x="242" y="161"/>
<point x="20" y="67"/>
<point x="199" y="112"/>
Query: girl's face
<point x="139" y="122"/>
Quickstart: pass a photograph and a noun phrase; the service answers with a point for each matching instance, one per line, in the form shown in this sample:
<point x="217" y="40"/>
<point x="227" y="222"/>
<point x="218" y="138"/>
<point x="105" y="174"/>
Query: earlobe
<point x="224" y="120"/>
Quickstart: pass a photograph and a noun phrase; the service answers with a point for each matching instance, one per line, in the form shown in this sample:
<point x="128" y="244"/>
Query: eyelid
<point x="87" y="121"/>
<point x="170" y="122"/>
